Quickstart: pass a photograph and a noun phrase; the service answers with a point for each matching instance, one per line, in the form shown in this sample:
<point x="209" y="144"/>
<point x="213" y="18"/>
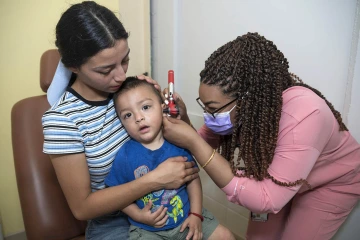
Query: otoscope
<point x="171" y="109"/>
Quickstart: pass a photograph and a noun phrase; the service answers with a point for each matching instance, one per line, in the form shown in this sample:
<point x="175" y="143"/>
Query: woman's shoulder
<point x="65" y="102"/>
<point x="300" y="102"/>
<point x="73" y="107"/>
<point x="305" y="114"/>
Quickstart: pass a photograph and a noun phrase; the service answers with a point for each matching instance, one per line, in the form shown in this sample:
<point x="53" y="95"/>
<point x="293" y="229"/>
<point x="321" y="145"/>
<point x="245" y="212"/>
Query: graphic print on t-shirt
<point x="167" y="196"/>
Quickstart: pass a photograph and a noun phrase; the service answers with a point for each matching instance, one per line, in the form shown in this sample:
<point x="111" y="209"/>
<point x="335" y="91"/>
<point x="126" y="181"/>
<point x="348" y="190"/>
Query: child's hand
<point x="195" y="227"/>
<point x="155" y="219"/>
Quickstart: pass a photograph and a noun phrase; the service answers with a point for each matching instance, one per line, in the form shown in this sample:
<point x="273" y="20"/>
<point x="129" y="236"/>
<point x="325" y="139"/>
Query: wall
<point x="26" y="31"/>
<point x="319" y="39"/>
<point x="136" y="19"/>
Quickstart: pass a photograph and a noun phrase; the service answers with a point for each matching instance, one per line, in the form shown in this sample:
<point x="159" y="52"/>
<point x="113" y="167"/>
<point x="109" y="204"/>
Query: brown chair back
<point x="46" y="213"/>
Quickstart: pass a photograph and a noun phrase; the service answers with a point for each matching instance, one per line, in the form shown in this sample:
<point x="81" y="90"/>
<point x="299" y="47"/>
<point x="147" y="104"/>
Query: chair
<point x="45" y="211"/>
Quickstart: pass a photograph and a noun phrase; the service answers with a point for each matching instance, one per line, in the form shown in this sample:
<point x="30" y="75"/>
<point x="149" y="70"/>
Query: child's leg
<point x="113" y="225"/>
<point x="271" y="229"/>
<point x="137" y="233"/>
<point x="221" y="233"/>
<point x="212" y="230"/>
<point x="313" y="217"/>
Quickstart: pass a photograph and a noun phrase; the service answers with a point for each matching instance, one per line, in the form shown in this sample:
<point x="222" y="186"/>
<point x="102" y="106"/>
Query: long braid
<point x="252" y="69"/>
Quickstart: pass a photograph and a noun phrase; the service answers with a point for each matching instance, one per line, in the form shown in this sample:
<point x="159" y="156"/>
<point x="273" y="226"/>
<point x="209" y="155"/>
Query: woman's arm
<point x="182" y="135"/>
<point x="211" y="138"/>
<point x="290" y="163"/>
<point x="73" y="175"/>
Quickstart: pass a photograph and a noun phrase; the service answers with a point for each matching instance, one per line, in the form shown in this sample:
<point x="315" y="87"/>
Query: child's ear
<point x="164" y="106"/>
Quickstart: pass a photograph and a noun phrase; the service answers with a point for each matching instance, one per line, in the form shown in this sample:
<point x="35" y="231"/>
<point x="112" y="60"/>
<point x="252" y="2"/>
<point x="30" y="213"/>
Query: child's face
<point x="140" y="111"/>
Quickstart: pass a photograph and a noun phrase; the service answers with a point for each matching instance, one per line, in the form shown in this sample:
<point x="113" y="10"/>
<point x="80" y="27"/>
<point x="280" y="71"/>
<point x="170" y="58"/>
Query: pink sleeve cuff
<point x="231" y="188"/>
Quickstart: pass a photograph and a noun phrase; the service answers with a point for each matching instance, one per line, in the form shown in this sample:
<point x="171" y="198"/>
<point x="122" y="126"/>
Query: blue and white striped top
<point x="76" y="125"/>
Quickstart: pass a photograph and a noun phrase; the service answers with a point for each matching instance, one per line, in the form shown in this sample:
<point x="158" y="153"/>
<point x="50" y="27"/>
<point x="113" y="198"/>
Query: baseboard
<point x="16" y="236"/>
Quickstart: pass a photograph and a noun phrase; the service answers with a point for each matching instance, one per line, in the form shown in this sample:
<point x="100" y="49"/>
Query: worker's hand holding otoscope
<point x="172" y="109"/>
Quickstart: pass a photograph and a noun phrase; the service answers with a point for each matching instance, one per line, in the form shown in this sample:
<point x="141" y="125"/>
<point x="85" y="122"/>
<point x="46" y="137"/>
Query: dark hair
<point x="252" y="67"/>
<point x="85" y="29"/>
<point x="134" y="82"/>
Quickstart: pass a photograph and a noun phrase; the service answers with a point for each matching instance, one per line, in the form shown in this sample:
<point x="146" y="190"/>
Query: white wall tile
<point x="218" y="210"/>
<point x="236" y="223"/>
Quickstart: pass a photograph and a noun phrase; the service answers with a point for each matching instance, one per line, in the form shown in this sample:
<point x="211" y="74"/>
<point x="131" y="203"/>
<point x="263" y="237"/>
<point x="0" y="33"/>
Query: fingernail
<point x="166" y="96"/>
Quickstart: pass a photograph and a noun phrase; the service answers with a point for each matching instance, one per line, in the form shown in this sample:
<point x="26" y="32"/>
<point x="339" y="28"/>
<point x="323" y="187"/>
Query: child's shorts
<point x="208" y="226"/>
<point x="109" y="227"/>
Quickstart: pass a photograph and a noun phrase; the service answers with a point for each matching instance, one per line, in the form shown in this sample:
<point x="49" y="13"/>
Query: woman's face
<point x="103" y="73"/>
<point x="213" y="98"/>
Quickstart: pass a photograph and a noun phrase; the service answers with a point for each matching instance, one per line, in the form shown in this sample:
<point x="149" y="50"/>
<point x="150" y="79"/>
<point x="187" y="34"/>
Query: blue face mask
<point x="221" y="124"/>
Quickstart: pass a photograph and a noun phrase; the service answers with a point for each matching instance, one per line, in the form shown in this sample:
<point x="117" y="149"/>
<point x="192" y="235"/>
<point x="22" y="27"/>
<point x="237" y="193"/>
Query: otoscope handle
<point x="172" y="109"/>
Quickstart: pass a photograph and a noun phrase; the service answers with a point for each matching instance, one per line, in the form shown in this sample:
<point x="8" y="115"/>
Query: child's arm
<point x="155" y="219"/>
<point x="193" y="222"/>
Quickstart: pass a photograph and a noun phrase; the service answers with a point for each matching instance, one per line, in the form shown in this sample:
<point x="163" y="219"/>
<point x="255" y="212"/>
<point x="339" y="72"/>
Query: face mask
<point x="221" y="124"/>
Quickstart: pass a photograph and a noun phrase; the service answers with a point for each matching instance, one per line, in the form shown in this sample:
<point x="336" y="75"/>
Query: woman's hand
<point x="179" y="133"/>
<point x="174" y="172"/>
<point x="150" y="80"/>
<point x="180" y="104"/>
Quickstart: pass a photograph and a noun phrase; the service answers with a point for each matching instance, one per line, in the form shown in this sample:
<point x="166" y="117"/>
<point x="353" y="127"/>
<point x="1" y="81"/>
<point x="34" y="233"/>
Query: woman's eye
<point x="146" y="107"/>
<point x="210" y="109"/>
<point x="127" y="115"/>
<point x="105" y="73"/>
<point x="125" y="61"/>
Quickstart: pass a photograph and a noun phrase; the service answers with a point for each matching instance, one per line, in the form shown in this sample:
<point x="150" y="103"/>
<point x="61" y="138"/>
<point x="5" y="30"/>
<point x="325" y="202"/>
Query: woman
<point x="82" y="132"/>
<point x="296" y="159"/>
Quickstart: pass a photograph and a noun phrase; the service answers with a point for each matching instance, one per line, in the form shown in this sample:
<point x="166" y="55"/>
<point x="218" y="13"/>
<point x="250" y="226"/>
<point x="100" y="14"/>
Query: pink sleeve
<point x="295" y="155"/>
<point x="265" y="196"/>
<point x="212" y="139"/>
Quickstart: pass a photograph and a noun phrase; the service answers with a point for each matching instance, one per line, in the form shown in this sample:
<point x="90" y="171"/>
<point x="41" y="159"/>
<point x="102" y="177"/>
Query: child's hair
<point x="84" y="30"/>
<point x="134" y="82"/>
<point x="252" y="69"/>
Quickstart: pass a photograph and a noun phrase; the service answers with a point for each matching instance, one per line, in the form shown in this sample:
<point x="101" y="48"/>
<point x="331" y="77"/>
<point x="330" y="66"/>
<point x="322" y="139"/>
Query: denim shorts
<point x="109" y="227"/>
<point x="209" y="225"/>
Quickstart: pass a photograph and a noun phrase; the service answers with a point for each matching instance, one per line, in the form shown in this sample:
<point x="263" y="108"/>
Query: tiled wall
<point x="230" y="215"/>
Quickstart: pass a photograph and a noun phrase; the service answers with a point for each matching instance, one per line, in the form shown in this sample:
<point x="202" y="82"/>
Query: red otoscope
<point x="172" y="109"/>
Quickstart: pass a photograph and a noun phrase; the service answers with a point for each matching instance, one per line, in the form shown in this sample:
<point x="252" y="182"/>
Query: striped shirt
<point x="76" y="125"/>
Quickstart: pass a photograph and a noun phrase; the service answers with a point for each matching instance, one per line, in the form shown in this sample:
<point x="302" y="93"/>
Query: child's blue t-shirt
<point x="132" y="161"/>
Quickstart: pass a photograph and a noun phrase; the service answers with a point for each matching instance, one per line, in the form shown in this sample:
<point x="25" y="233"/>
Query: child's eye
<point x="146" y="107"/>
<point x="127" y="115"/>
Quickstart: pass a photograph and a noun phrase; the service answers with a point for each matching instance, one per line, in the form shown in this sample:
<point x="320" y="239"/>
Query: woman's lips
<point x="115" y="87"/>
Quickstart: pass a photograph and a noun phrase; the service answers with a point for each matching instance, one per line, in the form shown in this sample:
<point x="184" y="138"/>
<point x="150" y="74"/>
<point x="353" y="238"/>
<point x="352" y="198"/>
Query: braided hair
<point x="252" y="69"/>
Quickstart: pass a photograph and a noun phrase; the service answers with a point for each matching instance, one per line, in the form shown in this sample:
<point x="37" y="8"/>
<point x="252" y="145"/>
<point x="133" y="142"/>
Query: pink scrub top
<point x="309" y="146"/>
